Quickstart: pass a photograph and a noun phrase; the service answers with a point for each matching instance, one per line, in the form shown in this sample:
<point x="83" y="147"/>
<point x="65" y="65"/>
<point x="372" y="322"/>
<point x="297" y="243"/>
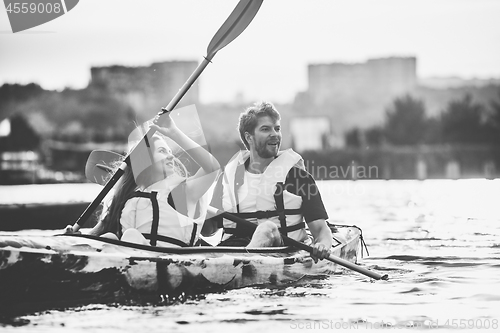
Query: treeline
<point x="70" y="115"/>
<point x="463" y="121"/>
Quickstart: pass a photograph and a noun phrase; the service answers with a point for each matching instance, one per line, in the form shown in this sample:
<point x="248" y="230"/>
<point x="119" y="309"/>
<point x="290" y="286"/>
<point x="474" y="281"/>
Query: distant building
<point x="310" y="133"/>
<point x="388" y="76"/>
<point x="355" y="95"/>
<point x="147" y="89"/>
<point x="455" y="82"/>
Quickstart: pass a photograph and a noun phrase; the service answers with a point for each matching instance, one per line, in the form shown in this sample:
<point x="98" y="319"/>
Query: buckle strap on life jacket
<point x="166" y="239"/>
<point x="280" y="206"/>
<point x="156" y="218"/>
<point x="138" y="194"/>
<point x="266" y="214"/>
<point x="239" y="179"/>
<point x="193" y="234"/>
<point x="153" y="236"/>
<point x="291" y="228"/>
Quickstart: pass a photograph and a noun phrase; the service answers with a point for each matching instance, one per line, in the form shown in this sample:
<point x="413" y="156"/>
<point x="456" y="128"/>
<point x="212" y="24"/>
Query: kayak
<point x="36" y="268"/>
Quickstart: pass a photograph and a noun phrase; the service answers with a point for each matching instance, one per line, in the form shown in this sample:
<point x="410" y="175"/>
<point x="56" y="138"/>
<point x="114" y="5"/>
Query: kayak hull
<point x="38" y="268"/>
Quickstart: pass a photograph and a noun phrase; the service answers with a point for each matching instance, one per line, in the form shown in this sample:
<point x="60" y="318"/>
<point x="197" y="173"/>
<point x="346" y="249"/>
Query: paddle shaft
<point x="97" y="201"/>
<point x="197" y="72"/>
<point x="113" y="180"/>
<point x="239" y="19"/>
<point x="292" y="242"/>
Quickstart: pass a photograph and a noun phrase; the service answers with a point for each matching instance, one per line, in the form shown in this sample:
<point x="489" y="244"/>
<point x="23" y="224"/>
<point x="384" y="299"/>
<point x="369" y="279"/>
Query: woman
<point x="162" y="205"/>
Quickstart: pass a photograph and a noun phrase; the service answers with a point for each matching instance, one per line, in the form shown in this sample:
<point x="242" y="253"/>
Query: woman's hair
<point x="125" y="188"/>
<point x="110" y="217"/>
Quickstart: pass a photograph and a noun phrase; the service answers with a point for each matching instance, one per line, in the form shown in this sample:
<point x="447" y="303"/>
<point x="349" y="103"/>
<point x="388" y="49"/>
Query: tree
<point x="433" y="133"/>
<point x="463" y="121"/>
<point x="493" y="121"/>
<point x="17" y="92"/>
<point x="21" y="137"/>
<point x="353" y="138"/>
<point x="375" y="136"/>
<point x="405" y="121"/>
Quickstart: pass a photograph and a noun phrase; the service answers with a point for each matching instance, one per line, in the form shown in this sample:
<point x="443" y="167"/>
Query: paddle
<point x="234" y="25"/>
<point x="97" y="168"/>
<point x="292" y="242"/>
<point x="100" y="165"/>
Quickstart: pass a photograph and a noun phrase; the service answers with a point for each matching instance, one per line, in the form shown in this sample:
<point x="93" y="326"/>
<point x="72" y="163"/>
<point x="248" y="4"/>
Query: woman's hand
<point x="69" y="230"/>
<point x="165" y="125"/>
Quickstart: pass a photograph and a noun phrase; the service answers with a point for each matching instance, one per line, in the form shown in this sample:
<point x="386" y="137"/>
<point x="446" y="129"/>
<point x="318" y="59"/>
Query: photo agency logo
<point x="25" y="15"/>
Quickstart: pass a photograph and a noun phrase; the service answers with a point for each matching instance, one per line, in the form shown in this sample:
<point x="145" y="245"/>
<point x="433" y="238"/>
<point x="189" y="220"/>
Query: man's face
<point x="266" y="140"/>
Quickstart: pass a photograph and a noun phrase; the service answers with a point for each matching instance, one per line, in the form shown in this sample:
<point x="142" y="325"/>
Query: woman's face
<point x="163" y="157"/>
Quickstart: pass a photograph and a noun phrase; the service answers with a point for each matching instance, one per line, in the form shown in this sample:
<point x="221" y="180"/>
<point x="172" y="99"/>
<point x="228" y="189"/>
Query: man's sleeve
<point x="300" y="182"/>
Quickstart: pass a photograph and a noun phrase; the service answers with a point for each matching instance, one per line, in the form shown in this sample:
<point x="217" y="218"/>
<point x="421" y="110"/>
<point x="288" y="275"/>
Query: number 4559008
<point x="25" y="7"/>
<point x="472" y="323"/>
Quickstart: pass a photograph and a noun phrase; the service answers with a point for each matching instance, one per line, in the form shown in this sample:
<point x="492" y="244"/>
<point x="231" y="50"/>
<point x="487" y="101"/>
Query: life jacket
<point x="273" y="203"/>
<point x="182" y="230"/>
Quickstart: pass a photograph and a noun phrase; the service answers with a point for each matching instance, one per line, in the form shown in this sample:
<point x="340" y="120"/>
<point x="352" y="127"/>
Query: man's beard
<point x="263" y="150"/>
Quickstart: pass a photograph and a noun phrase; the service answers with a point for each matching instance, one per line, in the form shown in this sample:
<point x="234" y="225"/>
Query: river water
<point x="437" y="239"/>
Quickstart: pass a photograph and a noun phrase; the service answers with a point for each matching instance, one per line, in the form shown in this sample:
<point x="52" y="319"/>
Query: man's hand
<point x="320" y="251"/>
<point x="322" y="239"/>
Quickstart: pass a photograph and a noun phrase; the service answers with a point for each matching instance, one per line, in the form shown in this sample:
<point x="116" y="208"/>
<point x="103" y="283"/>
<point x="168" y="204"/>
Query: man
<point x="270" y="188"/>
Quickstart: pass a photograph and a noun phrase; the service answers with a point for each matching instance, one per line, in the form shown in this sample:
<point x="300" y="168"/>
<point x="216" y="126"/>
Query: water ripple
<point x="437" y="240"/>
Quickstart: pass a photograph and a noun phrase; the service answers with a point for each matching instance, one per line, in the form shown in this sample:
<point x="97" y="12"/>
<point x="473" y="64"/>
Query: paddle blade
<point x="100" y="165"/>
<point x="235" y="24"/>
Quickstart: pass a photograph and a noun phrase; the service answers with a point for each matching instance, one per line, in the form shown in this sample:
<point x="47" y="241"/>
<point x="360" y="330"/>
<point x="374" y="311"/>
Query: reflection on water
<point x="49" y="193"/>
<point x="438" y="240"/>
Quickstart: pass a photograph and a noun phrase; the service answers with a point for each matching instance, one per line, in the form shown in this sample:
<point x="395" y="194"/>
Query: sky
<point x="269" y="60"/>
